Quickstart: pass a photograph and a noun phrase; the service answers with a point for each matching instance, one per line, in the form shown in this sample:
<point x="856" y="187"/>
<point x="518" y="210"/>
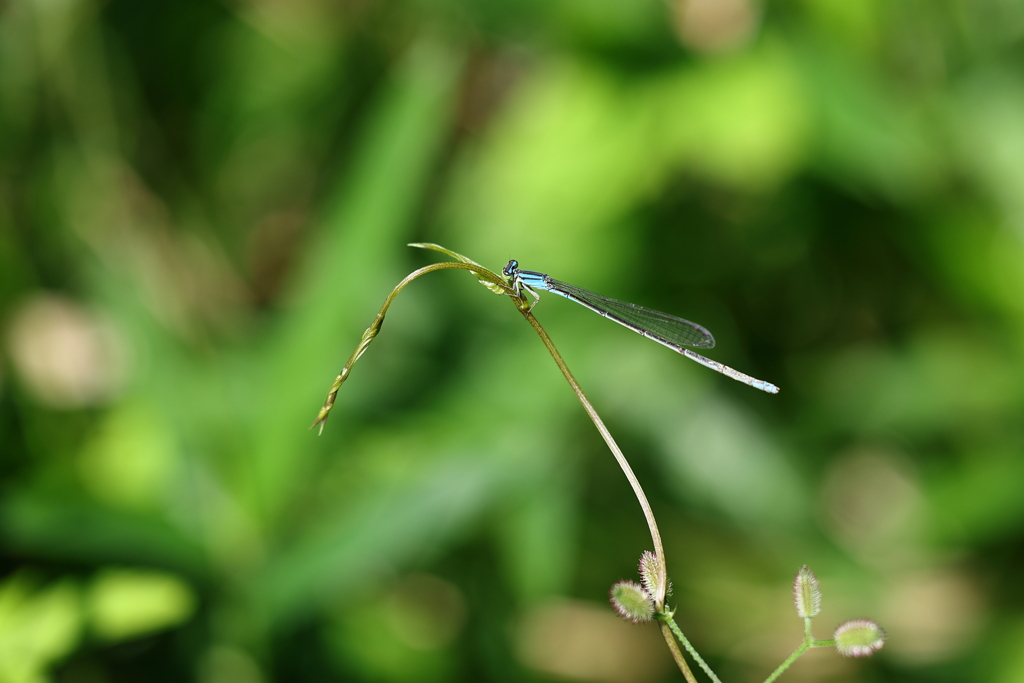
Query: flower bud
<point x="859" y="638"/>
<point x="650" y="572"/>
<point x="632" y="601"/>
<point x="806" y="594"/>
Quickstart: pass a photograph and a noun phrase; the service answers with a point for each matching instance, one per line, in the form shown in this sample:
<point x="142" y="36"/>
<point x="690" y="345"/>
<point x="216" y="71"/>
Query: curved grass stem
<point x="638" y="491"/>
<point x="483" y="274"/>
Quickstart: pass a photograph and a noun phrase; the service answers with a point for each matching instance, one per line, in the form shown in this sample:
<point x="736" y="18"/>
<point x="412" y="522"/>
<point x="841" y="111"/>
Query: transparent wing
<point x="661" y="327"/>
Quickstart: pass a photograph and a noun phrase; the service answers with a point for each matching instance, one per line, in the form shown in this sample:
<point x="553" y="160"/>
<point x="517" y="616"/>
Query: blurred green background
<point x="202" y="205"/>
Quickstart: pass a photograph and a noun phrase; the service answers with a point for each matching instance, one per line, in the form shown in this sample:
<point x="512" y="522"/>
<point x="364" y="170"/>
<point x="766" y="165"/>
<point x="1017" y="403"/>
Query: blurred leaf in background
<point x="202" y="205"/>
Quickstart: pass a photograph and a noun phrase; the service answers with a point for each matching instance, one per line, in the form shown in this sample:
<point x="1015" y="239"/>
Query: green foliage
<point x="203" y="204"/>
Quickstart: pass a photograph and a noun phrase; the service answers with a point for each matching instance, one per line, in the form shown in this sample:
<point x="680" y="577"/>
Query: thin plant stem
<point x="809" y="642"/>
<point x="809" y="636"/>
<point x="677" y="655"/>
<point x="652" y="525"/>
<point x="792" y="658"/>
<point x="666" y="618"/>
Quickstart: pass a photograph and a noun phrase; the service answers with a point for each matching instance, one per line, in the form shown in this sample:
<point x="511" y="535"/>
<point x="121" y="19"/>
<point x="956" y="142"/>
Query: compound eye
<point x="512" y="267"/>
